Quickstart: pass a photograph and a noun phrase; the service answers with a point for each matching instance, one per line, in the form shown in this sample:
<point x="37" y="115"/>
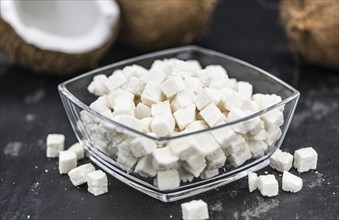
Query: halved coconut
<point x="57" y="37"/>
<point x="151" y="25"/>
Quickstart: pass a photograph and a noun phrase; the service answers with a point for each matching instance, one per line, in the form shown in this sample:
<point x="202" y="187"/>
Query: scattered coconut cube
<point x="268" y="185"/>
<point x="168" y="179"/>
<point x="281" y="161"/>
<point x="97" y="183"/>
<point x="196" y="209"/>
<point x="252" y="181"/>
<point x="55" y="143"/>
<point x="67" y="161"/>
<point x="78" y="149"/>
<point x="305" y="159"/>
<point x="291" y="183"/>
<point x="78" y="175"/>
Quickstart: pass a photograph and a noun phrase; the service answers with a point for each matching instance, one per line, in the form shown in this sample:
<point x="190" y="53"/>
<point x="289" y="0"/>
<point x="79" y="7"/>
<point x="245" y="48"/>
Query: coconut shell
<point x="19" y="52"/>
<point x="156" y="24"/>
<point x="312" y="28"/>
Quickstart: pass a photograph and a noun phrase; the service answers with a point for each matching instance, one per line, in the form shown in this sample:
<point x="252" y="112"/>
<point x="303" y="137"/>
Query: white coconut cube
<point x="78" y="149"/>
<point x="281" y="161"/>
<point x="245" y="89"/>
<point x="141" y="146"/>
<point x="257" y="148"/>
<point x="206" y="97"/>
<point x="172" y="86"/>
<point x="130" y="121"/>
<point x="164" y="158"/>
<point x="210" y="72"/>
<point x="184" y="149"/>
<point x="67" y="161"/>
<point x="193" y="210"/>
<point x="195" y="164"/>
<point x="182" y="99"/>
<point x="207" y="174"/>
<point x="119" y="95"/>
<point x="144" y="167"/>
<point x="147" y="124"/>
<point x="152" y="94"/>
<point x="55" y="143"/>
<point x="78" y="175"/>
<point x="185" y="116"/>
<point x="99" y="105"/>
<point x="291" y="183"/>
<point x="305" y="159"/>
<point x="252" y="181"/>
<point x="168" y="179"/>
<point x="212" y="115"/>
<point x="97" y="183"/>
<point x="115" y="81"/>
<point x="268" y="185"/>
<point x="154" y="76"/>
<point x="135" y="86"/>
<point x="124" y="107"/>
<point x="193" y="84"/>
<point x="185" y="176"/>
<point x="196" y="126"/>
<point x="160" y="108"/>
<point x="142" y="111"/>
<point x="97" y="86"/>
<point x="163" y="125"/>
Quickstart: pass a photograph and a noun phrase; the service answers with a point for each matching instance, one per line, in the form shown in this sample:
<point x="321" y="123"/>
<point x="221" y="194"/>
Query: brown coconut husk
<point x="156" y="24"/>
<point x="312" y="28"/>
<point x="19" y="52"/>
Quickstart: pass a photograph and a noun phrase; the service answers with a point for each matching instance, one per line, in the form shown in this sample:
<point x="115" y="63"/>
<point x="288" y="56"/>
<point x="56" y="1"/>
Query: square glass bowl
<point x="100" y="135"/>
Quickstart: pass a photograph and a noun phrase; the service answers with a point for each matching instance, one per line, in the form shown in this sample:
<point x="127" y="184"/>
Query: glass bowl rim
<point x="64" y="91"/>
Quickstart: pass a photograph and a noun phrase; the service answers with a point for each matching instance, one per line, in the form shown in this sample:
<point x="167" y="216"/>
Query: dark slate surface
<point x="30" y="108"/>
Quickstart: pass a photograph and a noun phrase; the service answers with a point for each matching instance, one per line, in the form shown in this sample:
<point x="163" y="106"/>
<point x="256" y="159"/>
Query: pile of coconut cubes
<point x="177" y="97"/>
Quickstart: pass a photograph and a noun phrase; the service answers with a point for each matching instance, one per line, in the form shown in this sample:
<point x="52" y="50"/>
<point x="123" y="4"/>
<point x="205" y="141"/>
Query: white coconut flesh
<point x="72" y="27"/>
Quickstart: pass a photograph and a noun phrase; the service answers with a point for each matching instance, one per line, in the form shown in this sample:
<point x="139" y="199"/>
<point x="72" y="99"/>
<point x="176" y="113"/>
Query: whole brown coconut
<point x="19" y="52"/>
<point x="312" y="28"/>
<point x="157" y="24"/>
